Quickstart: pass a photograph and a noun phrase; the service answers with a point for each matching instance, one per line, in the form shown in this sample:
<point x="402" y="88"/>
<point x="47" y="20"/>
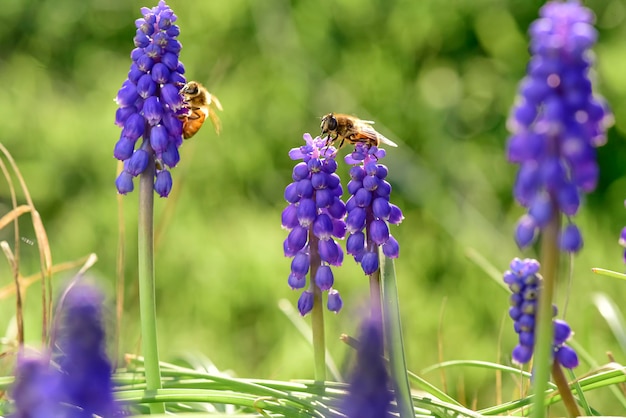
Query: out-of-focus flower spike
<point x="369" y="395"/>
<point x="81" y="352"/>
<point x="557" y="122"/>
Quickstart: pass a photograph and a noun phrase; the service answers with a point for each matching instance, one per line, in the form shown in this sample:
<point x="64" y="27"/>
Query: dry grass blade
<point x="14" y="256"/>
<point x="45" y="257"/>
<point x="13" y="215"/>
<point x="16" y="232"/>
<point x="19" y="315"/>
<point x="25" y="282"/>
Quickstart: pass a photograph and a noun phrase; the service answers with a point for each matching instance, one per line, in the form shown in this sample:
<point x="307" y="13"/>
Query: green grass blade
<point x="393" y="335"/>
<point x="609" y="273"/>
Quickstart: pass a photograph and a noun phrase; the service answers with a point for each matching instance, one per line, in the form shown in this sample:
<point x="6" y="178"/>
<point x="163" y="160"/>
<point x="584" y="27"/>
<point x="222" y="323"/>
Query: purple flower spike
<point x="148" y="101"/>
<point x="369" y="394"/>
<point x="557" y="122"/>
<point x="369" y="211"/>
<point x="524" y="281"/>
<point x="81" y="354"/>
<point x="314" y="217"/>
<point x="36" y="391"/>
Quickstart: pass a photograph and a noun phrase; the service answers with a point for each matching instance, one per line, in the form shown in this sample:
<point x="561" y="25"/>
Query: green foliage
<point x="438" y="76"/>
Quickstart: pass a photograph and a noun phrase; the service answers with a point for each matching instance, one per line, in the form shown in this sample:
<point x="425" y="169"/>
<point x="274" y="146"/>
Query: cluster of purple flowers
<point x="314" y="218"/>
<point x="525" y="283"/>
<point x="150" y="102"/>
<point x="557" y="123"/>
<point x="80" y="384"/>
<point x="368" y="209"/>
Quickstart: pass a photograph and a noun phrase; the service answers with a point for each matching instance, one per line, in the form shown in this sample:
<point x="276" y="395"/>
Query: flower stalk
<point x="147" y="299"/>
<point x="543" y="348"/>
<point x="317" y="315"/>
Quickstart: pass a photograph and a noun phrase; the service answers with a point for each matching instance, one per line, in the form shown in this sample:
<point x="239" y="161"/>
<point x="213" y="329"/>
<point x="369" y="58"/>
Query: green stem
<point x="393" y="336"/>
<point x="317" y="314"/>
<point x="147" y="303"/>
<point x="544" y="331"/>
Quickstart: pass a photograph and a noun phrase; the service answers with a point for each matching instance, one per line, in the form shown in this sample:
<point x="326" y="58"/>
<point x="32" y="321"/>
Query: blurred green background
<point x="438" y="77"/>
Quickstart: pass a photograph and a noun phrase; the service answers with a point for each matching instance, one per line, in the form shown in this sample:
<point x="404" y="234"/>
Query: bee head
<point x="329" y="123"/>
<point x="190" y="89"/>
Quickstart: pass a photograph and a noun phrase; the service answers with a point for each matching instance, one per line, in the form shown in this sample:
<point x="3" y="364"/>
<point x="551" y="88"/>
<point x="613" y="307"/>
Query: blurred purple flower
<point x="524" y="282"/>
<point x="80" y="352"/>
<point x="369" y="395"/>
<point x="150" y="103"/>
<point x="368" y="209"/>
<point x="557" y="123"/>
<point x="36" y="392"/>
<point x="314" y="213"/>
<point x="79" y="384"/>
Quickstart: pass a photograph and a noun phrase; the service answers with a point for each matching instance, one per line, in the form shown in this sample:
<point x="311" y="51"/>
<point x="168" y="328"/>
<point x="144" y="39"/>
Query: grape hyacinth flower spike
<point x="150" y="102"/>
<point x="80" y="350"/>
<point x="314" y="218"/>
<point x="368" y="209"/>
<point x="557" y="123"/>
<point x="78" y="383"/>
<point x="36" y="391"/>
<point x="524" y="282"/>
<point x="369" y="394"/>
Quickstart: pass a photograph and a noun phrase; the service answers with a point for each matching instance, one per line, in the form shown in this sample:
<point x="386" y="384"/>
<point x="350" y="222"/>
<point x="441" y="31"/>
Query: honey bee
<point x="200" y="104"/>
<point x="346" y="128"/>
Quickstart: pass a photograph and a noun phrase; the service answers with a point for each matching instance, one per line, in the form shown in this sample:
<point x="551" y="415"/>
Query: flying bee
<point x="346" y="128"/>
<point x="200" y="104"/>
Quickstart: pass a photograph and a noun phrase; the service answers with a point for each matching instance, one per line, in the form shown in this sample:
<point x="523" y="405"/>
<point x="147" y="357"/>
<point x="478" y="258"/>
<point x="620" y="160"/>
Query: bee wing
<point x="215" y="120"/>
<point x="383" y="139"/>
<point x="372" y="136"/>
<point x="215" y="101"/>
